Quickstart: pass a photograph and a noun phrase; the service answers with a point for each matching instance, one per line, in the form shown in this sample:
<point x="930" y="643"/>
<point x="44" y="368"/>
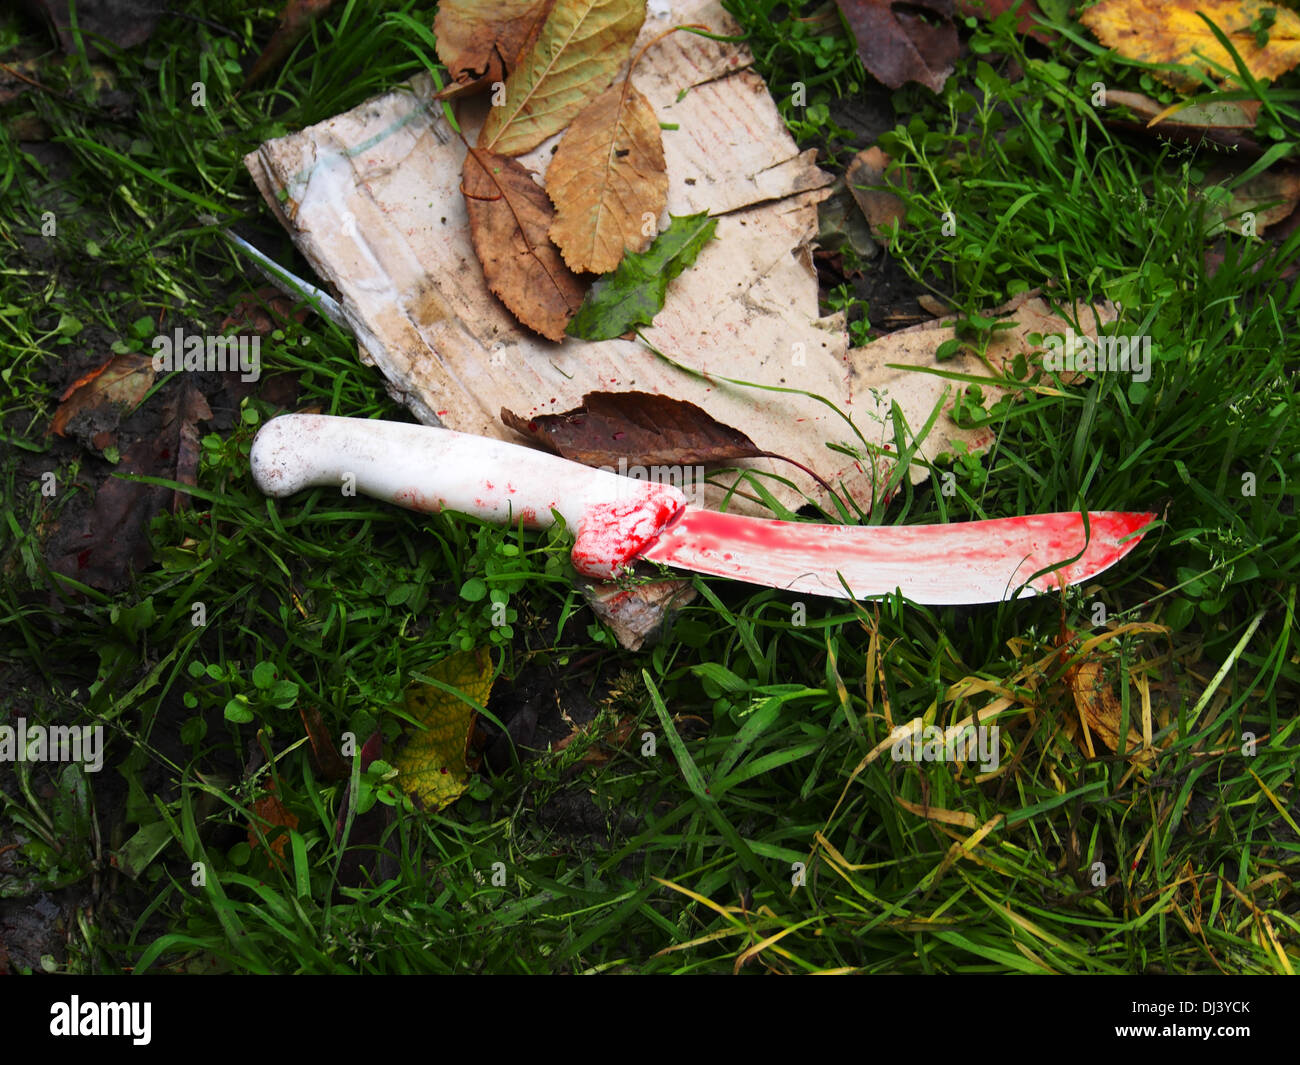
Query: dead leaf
<point x="881" y="208"/>
<point x="264" y="311"/>
<point x="295" y="21"/>
<point x="638" y="427"/>
<point x="273" y="815"/>
<point x="181" y="419"/>
<point x="433" y="764"/>
<point x="937" y="813"/>
<point x="510" y="218"/>
<point x="1025" y="22"/>
<point x="898" y="45"/>
<point x="841" y="226"/>
<point x="1214" y="114"/>
<point x="480" y="43"/>
<point x="1279" y="187"/>
<point x="100" y="540"/>
<point x="103" y="394"/>
<point x="368" y="828"/>
<point x="613" y="738"/>
<point x="608" y="180"/>
<point x="332" y="765"/>
<point x="1099" y="709"/>
<point x="577" y="54"/>
<point x="17" y="78"/>
<point x="1171" y="31"/>
<point x="1196" y="124"/>
<point x="124" y="23"/>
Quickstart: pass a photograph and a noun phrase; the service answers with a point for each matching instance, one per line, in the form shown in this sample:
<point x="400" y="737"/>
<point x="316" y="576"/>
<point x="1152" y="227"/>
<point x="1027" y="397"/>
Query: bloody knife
<point x="619" y="520"/>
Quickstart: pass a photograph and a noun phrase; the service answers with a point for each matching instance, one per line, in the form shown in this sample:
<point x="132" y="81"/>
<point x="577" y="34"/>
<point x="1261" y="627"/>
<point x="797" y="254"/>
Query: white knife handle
<point x="423" y="468"/>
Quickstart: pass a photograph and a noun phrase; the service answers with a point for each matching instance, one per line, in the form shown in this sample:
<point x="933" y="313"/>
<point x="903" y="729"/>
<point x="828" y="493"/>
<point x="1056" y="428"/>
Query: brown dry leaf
<point x="638" y="427"/>
<point x="509" y="221"/>
<point x="1099" y="708"/>
<point x="897" y="45"/>
<point x="480" y="43"/>
<point x="1214" y="114"/>
<point x="273" y="815"/>
<point x="118" y="384"/>
<point x="264" y="311"/>
<point x="1171" y="31"/>
<point x="613" y="739"/>
<point x="608" y="180"/>
<point x="1025" y="22"/>
<point x="295" y="21"/>
<point x="181" y="416"/>
<point x="881" y="208"/>
<point x="124" y="23"/>
<point x="1281" y="183"/>
<point x="577" y="54"/>
<point x="100" y="540"/>
<point x="1213" y="121"/>
<point x="333" y="766"/>
<point x="18" y="78"/>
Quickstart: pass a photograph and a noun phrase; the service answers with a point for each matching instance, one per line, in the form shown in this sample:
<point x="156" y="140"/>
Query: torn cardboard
<point x="372" y="198"/>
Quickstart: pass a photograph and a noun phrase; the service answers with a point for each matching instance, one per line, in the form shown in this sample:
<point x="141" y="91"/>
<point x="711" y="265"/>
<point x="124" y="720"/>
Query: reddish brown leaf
<point x="264" y="311"/>
<point x="881" y="208"/>
<point x="510" y="218"/>
<point x="640" y="427"/>
<point x="295" y="21"/>
<point x="124" y="23"/>
<point x="104" y="535"/>
<point x="898" y="45"/>
<point x="272" y="816"/>
<point x="182" y="418"/>
<point x="104" y="393"/>
<point x="991" y="9"/>
<point x="332" y="765"/>
<point x="481" y="43"/>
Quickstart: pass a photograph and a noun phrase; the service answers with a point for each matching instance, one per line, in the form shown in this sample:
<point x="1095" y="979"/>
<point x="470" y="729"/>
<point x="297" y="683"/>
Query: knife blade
<point x="619" y="520"/>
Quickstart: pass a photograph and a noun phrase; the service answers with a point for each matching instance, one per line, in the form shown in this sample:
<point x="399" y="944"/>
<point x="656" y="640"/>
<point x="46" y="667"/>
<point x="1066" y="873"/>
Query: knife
<point x="620" y="520"/>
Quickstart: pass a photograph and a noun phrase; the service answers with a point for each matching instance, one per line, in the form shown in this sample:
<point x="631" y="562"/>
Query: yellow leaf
<point x="1100" y="711"/>
<point x="607" y="179"/>
<point x="1171" y="31"/>
<point x="431" y="766"/>
<point x="575" y="57"/>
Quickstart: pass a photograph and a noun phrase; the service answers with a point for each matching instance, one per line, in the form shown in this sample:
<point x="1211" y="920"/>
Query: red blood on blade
<point x="612" y="534"/>
<point x="965" y="562"/>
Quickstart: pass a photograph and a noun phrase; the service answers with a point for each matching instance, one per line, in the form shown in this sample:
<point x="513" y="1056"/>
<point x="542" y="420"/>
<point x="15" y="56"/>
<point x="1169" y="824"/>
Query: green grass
<point x="766" y="824"/>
